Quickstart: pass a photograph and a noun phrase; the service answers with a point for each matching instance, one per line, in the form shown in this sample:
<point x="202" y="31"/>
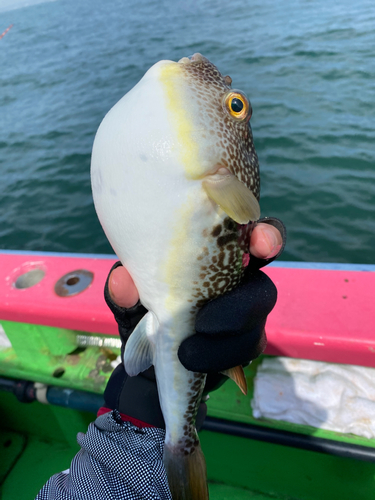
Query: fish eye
<point x="238" y="105"/>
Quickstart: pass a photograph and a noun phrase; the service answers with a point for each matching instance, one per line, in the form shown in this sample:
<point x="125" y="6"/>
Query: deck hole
<point x="29" y="279"/>
<point x="58" y="373"/>
<point x="72" y="281"/>
<point x="7" y="443"/>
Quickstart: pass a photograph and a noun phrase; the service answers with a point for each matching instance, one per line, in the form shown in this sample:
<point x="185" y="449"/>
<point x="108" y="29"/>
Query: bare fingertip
<point x="122" y="288"/>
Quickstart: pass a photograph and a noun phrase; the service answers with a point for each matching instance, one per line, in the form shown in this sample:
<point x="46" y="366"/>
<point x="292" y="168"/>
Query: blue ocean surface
<point x="307" y="67"/>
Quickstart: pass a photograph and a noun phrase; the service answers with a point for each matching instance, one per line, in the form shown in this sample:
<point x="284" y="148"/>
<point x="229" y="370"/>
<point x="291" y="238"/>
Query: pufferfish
<point x="175" y="181"/>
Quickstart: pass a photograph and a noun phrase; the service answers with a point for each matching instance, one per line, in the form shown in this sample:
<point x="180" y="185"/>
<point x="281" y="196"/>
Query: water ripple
<point x="306" y="67"/>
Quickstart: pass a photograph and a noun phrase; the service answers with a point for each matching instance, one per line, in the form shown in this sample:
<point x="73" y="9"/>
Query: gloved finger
<point x="240" y="310"/>
<point x="209" y="354"/>
<point x="213" y="382"/>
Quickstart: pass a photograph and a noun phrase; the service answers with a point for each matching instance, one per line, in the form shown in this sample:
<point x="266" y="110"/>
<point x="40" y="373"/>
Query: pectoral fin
<point x="138" y="355"/>
<point x="238" y="376"/>
<point x="233" y="197"/>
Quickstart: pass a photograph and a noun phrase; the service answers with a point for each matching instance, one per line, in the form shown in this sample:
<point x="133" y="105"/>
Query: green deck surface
<point x="42" y="353"/>
<point x="38" y="440"/>
<point x="49" y="355"/>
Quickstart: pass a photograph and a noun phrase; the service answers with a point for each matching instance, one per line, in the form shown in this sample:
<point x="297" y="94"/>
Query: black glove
<point x="230" y="332"/>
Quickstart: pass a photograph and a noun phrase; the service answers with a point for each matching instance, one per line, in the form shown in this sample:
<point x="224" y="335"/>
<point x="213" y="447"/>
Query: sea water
<point x="307" y="67"/>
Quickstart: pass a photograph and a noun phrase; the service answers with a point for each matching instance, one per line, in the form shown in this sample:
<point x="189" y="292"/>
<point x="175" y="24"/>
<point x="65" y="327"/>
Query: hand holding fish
<point x="265" y="243"/>
<point x="137" y="396"/>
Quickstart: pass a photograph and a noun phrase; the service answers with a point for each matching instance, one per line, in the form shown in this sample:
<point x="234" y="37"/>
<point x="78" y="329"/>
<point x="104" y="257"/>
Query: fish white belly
<point x="171" y="221"/>
<point x="144" y="195"/>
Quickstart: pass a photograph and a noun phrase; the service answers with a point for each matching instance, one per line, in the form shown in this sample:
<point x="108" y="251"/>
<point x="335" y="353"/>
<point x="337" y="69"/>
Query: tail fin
<point x="187" y="476"/>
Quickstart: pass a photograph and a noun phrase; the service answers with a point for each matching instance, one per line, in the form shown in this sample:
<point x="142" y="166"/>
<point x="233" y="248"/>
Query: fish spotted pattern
<point x="234" y="139"/>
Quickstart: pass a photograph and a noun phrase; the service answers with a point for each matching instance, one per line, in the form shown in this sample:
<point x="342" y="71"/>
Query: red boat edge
<point x="324" y="312"/>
